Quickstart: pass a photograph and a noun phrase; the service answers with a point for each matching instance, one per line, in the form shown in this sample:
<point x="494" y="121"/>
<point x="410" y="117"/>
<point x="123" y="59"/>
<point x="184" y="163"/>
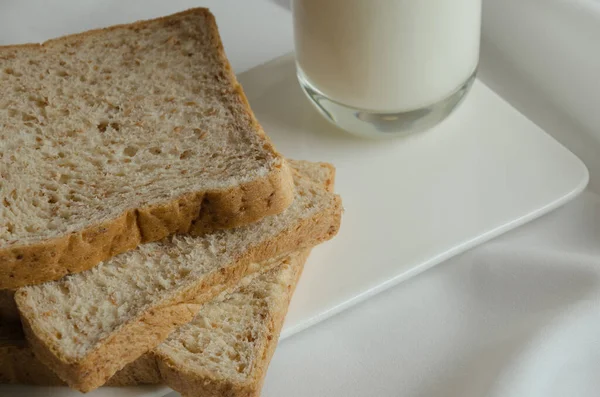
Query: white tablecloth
<point x="519" y="316"/>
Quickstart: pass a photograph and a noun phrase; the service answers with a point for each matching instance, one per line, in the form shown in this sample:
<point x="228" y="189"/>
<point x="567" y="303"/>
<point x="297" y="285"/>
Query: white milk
<point x="387" y="55"/>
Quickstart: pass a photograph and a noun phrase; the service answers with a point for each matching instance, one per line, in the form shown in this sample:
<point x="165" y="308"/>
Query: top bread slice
<point x="89" y="325"/>
<point x="122" y="136"/>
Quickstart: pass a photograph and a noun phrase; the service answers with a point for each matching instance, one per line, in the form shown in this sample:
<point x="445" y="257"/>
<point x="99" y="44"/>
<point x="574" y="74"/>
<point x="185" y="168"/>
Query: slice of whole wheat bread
<point x="225" y="349"/>
<point x="87" y="326"/>
<point x="122" y="136"/>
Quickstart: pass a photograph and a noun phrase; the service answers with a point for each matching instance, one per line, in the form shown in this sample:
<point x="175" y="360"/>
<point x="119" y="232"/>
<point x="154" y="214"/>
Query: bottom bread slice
<point x="224" y="351"/>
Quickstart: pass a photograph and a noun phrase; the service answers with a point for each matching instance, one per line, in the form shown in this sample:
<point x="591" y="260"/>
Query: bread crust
<point x="195" y="213"/>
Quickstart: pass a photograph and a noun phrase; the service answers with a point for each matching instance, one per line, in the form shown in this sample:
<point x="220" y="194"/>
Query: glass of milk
<point x="382" y="68"/>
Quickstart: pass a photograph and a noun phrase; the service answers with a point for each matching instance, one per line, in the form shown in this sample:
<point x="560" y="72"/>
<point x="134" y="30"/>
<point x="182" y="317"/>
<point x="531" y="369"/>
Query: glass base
<point x="372" y="124"/>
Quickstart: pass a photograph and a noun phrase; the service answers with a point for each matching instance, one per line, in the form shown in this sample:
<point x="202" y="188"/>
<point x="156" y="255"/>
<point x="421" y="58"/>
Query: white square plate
<point x="411" y="203"/>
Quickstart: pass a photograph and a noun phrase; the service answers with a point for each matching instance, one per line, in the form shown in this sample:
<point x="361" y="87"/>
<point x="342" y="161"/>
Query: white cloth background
<point x="519" y="316"/>
<point x="516" y="317"/>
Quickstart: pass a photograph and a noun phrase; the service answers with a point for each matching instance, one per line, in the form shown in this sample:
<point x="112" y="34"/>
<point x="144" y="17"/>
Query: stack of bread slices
<point x="149" y="230"/>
